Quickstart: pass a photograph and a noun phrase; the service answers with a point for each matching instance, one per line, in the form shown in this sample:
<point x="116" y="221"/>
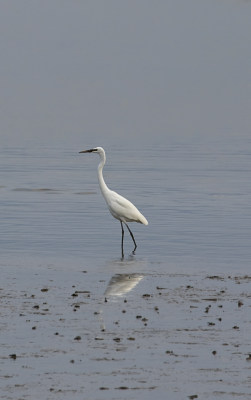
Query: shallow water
<point x="173" y="319"/>
<point x="196" y="197"/>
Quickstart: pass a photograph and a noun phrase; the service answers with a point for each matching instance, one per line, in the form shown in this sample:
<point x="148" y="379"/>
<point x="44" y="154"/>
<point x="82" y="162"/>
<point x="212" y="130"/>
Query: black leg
<point x="132" y="237"/>
<point x="122" y="241"/>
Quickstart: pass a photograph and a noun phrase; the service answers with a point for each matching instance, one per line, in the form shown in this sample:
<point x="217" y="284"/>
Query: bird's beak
<point x="86" y="151"/>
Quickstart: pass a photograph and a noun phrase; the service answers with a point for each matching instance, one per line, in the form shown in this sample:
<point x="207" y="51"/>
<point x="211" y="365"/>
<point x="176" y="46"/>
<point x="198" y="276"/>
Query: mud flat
<point x="78" y="334"/>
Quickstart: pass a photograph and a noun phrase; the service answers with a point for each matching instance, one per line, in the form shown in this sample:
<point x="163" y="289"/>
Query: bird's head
<point x="98" y="150"/>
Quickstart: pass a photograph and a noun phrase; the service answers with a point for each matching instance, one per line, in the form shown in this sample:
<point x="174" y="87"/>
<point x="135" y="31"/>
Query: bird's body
<point x="123" y="210"/>
<point x="120" y="208"/>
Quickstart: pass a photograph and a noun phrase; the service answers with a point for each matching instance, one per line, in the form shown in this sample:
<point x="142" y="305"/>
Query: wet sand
<point x="77" y="333"/>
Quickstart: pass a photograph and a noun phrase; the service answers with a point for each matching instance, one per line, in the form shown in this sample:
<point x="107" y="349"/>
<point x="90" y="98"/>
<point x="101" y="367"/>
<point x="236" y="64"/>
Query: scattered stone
<point x="216" y="277"/>
<point x="77" y="338"/>
<point x="211" y="299"/>
<point x="122" y="388"/>
<point x="240" y="303"/>
<point x="193" y="396"/>
<point x="214" y="352"/>
<point x="248" y="357"/>
<point x="117" y="339"/>
<point x="236" y="327"/>
<point x="13" y="356"/>
<point x="44" y="290"/>
<point x="34" y="327"/>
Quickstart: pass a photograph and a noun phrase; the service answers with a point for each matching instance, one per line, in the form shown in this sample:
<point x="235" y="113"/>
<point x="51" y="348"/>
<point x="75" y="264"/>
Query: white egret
<point x="120" y="208"/>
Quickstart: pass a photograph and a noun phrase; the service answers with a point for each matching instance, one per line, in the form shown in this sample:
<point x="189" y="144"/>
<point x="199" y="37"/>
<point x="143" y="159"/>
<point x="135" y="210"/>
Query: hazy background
<point x="103" y="72"/>
<point x="171" y="79"/>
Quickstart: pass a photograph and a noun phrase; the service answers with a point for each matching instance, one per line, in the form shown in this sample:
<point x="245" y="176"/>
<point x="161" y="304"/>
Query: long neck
<point x="104" y="188"/>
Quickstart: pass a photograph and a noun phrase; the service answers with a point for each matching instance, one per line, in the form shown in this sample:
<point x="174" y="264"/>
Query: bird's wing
<point x="123" y="209"/>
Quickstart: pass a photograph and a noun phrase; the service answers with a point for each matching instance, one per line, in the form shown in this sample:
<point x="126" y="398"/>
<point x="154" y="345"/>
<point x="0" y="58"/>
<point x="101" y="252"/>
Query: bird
<point x="120" y="208"/>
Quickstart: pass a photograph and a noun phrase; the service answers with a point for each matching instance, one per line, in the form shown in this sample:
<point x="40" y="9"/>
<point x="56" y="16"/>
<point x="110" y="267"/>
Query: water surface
<point x="77" y="321"/>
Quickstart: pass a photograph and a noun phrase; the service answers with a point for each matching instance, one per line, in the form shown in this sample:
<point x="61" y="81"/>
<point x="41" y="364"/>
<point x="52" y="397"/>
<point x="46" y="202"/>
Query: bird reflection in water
<point x="121" y="284"/>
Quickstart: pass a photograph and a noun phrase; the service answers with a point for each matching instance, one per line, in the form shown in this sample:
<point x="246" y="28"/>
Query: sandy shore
<point x="73" y="334"/>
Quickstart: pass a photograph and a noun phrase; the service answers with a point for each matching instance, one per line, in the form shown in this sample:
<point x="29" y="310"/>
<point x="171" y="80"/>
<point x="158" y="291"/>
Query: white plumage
<point x="120" y="208"/>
